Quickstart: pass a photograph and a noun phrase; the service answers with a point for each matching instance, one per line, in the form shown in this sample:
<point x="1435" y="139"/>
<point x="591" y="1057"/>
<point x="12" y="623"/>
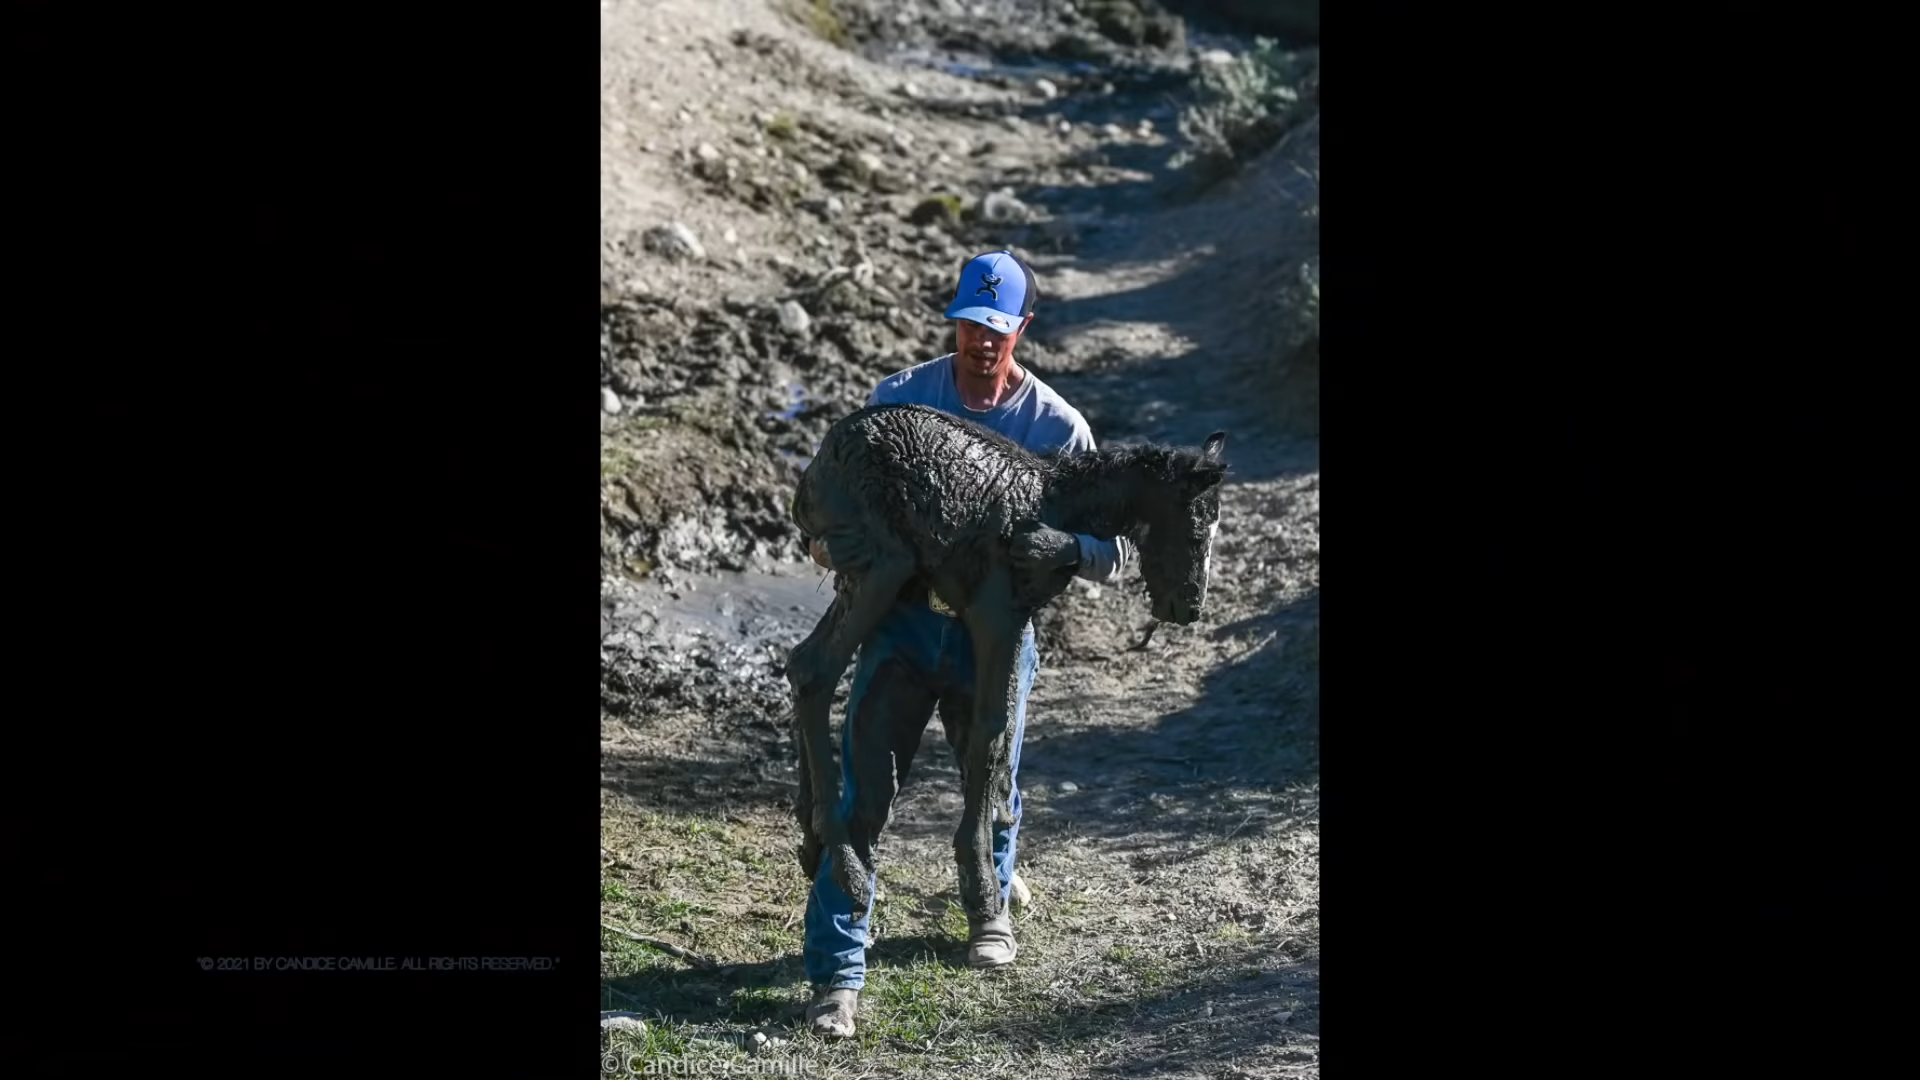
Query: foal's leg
<point x="814" y="669"/>
<point x="813" y="735"/>
<point x="986" y="771"/>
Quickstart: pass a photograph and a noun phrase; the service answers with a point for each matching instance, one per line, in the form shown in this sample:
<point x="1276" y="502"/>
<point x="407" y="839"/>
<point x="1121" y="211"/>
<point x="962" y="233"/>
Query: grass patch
<point x="1232" y="932"/>
<point x="615" y="460"/>
<point x="943" y="209"/>
<point x="819" y="17"/>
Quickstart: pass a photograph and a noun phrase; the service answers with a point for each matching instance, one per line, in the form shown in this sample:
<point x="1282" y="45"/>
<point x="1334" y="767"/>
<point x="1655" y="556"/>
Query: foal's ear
<point x="1216" y="442"/>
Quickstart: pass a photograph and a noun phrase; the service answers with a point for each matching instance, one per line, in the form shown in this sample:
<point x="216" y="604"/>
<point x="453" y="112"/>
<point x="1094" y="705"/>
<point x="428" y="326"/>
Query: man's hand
<point x="1043" y="550"/>
<point x="818" y="549"/>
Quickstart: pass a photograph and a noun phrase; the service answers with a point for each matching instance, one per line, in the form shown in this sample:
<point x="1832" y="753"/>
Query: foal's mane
<point x="1167" y="464"/>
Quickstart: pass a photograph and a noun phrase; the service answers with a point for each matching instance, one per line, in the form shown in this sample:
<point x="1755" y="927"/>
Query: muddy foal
<point x="906" y="495"/>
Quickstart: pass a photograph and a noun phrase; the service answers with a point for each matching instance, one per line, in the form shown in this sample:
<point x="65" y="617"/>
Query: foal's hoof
<point x="809" y="853"/>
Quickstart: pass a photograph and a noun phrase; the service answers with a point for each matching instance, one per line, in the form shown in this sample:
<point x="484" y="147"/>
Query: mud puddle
<point x="749" y="608"/>
<point x="715" y="643"/>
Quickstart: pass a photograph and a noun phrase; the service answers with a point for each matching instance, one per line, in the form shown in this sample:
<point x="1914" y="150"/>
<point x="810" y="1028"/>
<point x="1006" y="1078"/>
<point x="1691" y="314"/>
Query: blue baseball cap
<point x="996" y="290"/>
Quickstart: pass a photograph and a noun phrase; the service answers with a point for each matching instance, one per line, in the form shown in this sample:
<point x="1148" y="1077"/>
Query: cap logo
<point x="989" y="285"/>
<point x="998" y="322"/>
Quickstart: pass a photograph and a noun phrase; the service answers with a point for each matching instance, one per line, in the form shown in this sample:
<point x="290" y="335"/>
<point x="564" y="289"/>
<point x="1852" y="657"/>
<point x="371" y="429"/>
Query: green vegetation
<point x="1244" y="107"/>
<point x="820" y="17"/>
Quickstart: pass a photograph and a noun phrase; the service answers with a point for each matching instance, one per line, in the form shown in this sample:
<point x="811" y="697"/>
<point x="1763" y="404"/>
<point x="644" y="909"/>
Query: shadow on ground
<point x="1244" y="361"/>
<point x="1260" y="1008"/>
<point x="707" y="781"/>
<point x="1186" y="778"/>
<point x="1258" y="1005"/>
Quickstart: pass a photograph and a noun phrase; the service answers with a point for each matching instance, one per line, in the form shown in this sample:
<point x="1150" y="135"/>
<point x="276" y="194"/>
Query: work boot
<point x="831" y="1013"/>
<point x="990" y="943"/>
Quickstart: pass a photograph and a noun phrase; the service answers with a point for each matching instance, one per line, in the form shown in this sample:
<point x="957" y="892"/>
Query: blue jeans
<point x="918" y="659"/>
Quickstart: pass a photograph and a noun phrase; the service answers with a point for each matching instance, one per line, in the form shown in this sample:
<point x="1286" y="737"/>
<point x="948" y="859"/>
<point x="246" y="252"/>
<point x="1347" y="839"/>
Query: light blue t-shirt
<point x="1033" y="416"/>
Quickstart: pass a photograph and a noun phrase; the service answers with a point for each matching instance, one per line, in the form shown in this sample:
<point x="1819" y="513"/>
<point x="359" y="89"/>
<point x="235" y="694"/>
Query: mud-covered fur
<point x="908" y="498"/>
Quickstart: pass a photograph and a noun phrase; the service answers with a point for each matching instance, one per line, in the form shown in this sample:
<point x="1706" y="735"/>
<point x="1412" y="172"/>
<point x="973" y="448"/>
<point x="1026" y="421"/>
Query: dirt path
<point x="1170" y="834"/>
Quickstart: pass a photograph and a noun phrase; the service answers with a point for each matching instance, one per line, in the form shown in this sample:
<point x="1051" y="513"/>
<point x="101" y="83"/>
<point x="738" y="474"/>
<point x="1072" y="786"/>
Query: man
<point x="921" y="656"/>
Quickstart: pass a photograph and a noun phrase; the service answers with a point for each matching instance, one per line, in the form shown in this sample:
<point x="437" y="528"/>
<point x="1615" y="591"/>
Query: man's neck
<point x="981" y="394"/>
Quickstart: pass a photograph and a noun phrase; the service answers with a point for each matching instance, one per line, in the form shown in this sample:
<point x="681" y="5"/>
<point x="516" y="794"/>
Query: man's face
<point x="982" y="350"/>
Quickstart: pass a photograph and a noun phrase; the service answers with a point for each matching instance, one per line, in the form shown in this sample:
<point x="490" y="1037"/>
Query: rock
<point x="901" y="141"/>
<point x="794" y="318"/>
<point x="675" y="241"/>
<point x="1012" y="122"/>
<point x="1067" y="787"/>
<point x="869" y="163"/>
<point x="622" y="1021"/>
<point x="1112" y="131"/>
<point x="609" y="401"/>
<point x="730" y="236"/>
<point x="906" y="89"/>
<point x="706" y="152"/>
<point x="1001" y="207"/>
<point x="834" y="206"/>
<point x="1046" y="88"/>
<point x="1216" y="56"/>
<point x="1066" y="127"/>
<point x="759" y="1038"/>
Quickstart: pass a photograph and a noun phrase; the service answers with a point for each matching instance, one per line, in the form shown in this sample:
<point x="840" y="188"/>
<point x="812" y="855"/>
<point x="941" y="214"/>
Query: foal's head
<point x="1180" y="512"/>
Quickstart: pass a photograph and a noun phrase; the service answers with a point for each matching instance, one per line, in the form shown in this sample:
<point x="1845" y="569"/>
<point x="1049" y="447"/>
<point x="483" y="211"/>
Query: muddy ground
<point x="788" y="190"/>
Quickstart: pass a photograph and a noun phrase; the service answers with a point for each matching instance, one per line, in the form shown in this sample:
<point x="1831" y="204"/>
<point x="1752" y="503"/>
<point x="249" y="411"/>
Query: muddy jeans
<point x="918" y="659"/>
